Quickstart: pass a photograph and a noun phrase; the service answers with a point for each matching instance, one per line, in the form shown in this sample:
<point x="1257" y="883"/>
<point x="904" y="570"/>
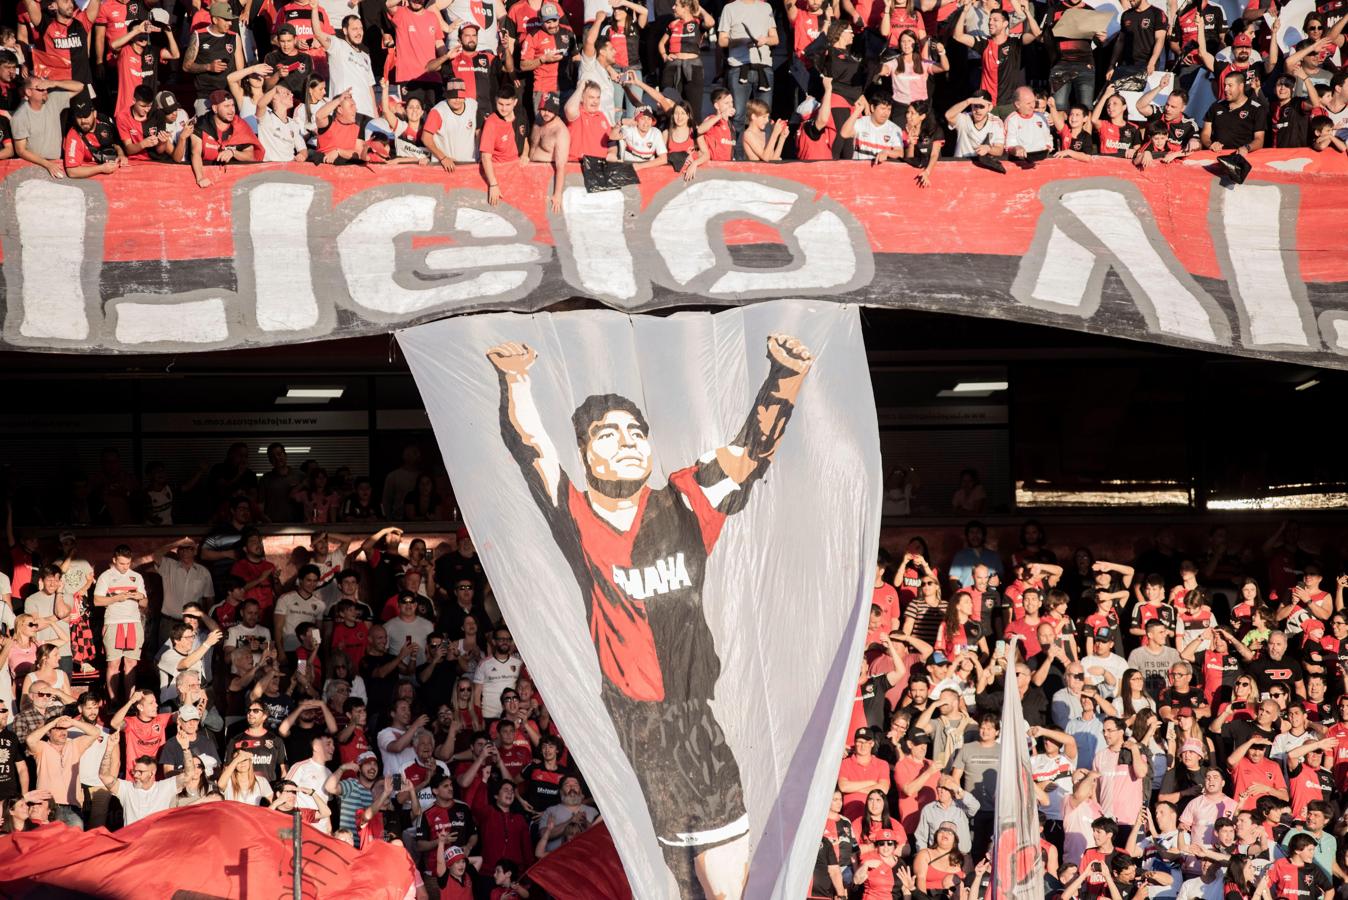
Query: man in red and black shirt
<point x="136" y="66"/>
<point x="715" y="135"/>
<point x="142" y="137"/>
<point x="1181" y="131"/>
<point x="222" y="138"/>
<point x="11" y="97"/>
<point x="61" y="40"/>
<point x="417" y="32"/>
<point x="1184" y="38"/>
<point x="654" y="647"/>
<point x="447" y="819"/>
<point x="1002" y="69"/>
<point x="90" y="147"/>
<point x="544" y="51"/>
<point x="479" y="70"/>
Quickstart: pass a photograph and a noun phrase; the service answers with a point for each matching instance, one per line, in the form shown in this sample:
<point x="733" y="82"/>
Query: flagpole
<point x="296" y="883"/>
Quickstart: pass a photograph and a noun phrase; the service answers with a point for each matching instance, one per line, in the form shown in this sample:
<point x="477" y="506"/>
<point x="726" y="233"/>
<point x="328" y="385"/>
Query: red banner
<point x="229" y="851"/>
<point x="144" y="260"/>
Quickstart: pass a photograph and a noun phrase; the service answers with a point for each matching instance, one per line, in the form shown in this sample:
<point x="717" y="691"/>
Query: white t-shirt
<point x="350" y="68"/>
<point x="418" y="630"/>
<point x="280" y="140"/>
<point x="1055" y="774"/>
<point x="1031" y="132"/>
<point x="297" y="609"/>
<point x="1113" y="664"/>
<point x="93" y="757"/>
<point x="261" y="790"/>
<point x="394" y="761"/>
<point x="328" y="570"/>
<point x="871" y="139"/>
<point x="495" y="676"/>
<point x="969" y="136"/>
<point x="43" y="605"/>
<point x="1195" y="889"/>
<point x="747" y="19"/>
<point x="591" y="70"/>
<point x="137" y="804"/>
<point x="638" y="147"/>
<point x="310" y="774"/>
<point x="168" y="672"/>
<point x="455" y="133"/>
<point x="112" y="583"/>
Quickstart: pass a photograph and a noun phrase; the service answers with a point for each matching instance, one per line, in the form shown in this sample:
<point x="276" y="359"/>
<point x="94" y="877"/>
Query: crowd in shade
<point x="1187" y="717"/>
<point x="87" y="89"/>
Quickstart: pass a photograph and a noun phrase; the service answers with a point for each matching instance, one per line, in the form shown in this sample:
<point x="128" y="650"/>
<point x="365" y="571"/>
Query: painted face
<point x="618" y="448"/>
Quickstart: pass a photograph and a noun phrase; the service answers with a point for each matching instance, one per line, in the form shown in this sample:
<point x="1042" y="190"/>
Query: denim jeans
<point x="743" y="93"/>
<point x="1074" y="82"/>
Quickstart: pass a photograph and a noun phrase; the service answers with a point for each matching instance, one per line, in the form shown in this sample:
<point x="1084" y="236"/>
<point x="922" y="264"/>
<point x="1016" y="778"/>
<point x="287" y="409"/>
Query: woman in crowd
<point x="239" y="782"/>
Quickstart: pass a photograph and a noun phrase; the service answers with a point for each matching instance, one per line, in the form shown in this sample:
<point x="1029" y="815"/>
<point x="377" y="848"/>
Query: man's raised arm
<point x="521" y="425"/>
<point x="746" y="458"/>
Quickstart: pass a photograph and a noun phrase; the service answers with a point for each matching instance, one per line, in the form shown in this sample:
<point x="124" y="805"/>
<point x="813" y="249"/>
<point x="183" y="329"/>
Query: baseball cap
<point x="365" y="757"/>
<point x="287" y="28"/>
<point x="453" y="853"/>
<point x="189" y="714"/>
<point x="166" y="102"/>
<point x="550" y="103"/>
<point x="948" y="826"/>
<point x="644" y="111"/>
<point x="81" y="108"/>
<point x="917" y="736"/>
<point x="1191" y="746"/>
<point x="886" y="834"/>
<point x="461" y="533"/>
<point x="221" y="9"/>
<point x="549" y="12"/>
<point x="1242" y="40"/>
<point x="863" y="732"/>
<point x="160" y="17"/>
<point x="1185" y="711"/>
<point x="218" y="97"/>
<point x="66" y="536"/>
<point x="938" y="659"/>
<point x="466" y="25"/>
<point x="1104" y="634"/>
<point x="1313" y="629"/>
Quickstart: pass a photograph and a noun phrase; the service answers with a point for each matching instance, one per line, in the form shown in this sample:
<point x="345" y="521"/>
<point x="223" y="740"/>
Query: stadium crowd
<point x="1187" y="711"/>
<point x="88" y="88"/>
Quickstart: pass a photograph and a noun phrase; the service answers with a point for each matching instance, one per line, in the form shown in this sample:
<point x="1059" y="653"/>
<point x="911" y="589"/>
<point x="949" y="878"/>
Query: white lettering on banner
<point x="668" y="574"/>
<point x="1092" y="225"/>
<point x="1248" y="231"/>
<point x="396" y="254"/>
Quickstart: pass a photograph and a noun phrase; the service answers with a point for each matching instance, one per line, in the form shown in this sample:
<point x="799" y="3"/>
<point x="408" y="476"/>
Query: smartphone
<point x="397" y="783"/>
<point x="999" y="649"/>
<point x="302" y="665"/>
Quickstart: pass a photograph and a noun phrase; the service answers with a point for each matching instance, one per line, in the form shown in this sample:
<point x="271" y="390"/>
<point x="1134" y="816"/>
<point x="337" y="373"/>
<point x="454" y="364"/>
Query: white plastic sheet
<point x="787" y="582"/>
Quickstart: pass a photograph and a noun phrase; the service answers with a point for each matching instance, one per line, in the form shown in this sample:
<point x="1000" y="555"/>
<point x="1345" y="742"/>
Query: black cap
<point x="1104" y="634"/>
<point x="863" y="732"/>
<point x="1233" y="167"/>
<point x="81" y="107"/>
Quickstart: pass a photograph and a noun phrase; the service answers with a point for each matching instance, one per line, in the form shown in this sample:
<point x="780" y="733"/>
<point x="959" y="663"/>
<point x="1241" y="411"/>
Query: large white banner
<point x="679" y="518"/>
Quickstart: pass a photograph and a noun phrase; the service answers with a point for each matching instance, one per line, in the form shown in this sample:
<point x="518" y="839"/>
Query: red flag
<point x="587" y="866"/>
<point x="224" y="850"/>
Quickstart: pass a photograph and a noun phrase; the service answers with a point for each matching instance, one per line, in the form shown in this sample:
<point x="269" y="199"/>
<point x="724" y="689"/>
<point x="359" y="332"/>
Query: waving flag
<point x="1017" y="865"/>
<point x="679" y="517"/>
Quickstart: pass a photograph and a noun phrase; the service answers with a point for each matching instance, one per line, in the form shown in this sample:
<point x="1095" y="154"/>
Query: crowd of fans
<point x="1187" y="716"/>
<point x="85" y="90"/>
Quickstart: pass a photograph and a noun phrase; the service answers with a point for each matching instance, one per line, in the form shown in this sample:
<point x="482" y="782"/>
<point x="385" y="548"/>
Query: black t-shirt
<point x="873" y="701"/>
<point x="6" y="135"/>
<point x="821" y="886"/>
<point x="269" y="753"/>
<point x="299" y="743"/>
<point x="1179" y="779"/>
<point x="455" y="566"/>
<point x="1234" y="128"/>
<point x="379" y="690"/>
<point x="1289" y="124"/>
<point x="541" y="786"/>
<point x="1268" y="672"/>
<point x="1137" y="30"/>
<point x="1081" y="142"/>
<point x="11" y="754"/>
<point x="294" y="70"/>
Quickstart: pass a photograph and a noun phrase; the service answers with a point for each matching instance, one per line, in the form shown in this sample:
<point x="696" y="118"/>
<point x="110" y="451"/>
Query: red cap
<point x="461" y="533"/>
<point x="886" y="834"/>
<point x="1242" y="40"/>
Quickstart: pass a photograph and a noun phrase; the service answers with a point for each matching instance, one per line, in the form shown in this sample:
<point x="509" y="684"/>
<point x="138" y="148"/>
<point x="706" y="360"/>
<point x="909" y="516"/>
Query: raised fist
<point x="789" y="352"/>
<point x="512" y="358"/>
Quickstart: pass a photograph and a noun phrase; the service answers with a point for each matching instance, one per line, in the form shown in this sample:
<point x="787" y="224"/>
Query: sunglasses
<point x="464" y="587"/>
